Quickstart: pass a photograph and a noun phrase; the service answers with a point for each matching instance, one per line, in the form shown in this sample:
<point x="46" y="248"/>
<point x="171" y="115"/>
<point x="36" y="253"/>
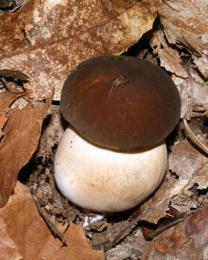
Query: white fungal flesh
<point x="104" y="180"/>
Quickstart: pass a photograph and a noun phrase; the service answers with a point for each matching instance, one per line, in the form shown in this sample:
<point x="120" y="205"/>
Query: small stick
<point x="161" y="229"/>
<point x="132" y="225"/>
<point x="193" y="137"/>
<point x="124" y="233"/>
<point x="50" y="224"/>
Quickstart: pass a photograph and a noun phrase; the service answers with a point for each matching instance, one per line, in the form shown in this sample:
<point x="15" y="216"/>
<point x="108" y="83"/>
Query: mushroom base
<point x="104" y="180"/>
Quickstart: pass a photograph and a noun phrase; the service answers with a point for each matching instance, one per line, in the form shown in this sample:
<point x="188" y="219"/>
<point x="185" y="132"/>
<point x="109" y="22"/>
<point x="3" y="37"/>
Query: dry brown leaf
<point x="193" y="92"/>
<point x="3" y="119"/>
<point x="6" y="99"/>
<point x="186" y="239"/>
<point x="32" y="236"/>
<point x="190" y="23"/>
<point x="8" y="249"/>
<point x="185" y="162"/>
<point x="199" y="179"/>
<point x="193" y="89"/>
<point x="51" y="37"/>
<point x="21" y="137"/>
<point x="169" y="57"/>
<point x="185" y="24"/>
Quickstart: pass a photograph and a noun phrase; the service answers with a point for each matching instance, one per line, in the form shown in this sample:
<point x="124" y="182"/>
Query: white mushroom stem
<point x="104" y="180"/>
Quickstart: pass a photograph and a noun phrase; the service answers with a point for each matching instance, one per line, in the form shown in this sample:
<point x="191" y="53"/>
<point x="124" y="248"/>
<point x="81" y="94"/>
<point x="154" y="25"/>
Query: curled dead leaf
<point x="21" y="136"/>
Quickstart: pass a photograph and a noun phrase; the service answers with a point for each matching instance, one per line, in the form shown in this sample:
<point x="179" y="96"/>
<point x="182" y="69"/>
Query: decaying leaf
<point x="185" y="24"/>
<point x="199" y="179"/>
<point x="187" y="239"/>
<point x="194" y="93"/>
<point x="21" y="136"/>
<point x="185" y="164"/>
<point x="180" y="46"/>
<point x="51" y="37"/>
<point x="190" y="23"/>
<point x="32" y="236"/>
<point x="192" y="87"/>
<point x="169" y="57"/>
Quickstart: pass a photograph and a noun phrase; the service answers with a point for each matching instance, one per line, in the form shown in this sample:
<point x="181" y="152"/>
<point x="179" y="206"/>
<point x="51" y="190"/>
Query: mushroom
<point x="113" y="154"/>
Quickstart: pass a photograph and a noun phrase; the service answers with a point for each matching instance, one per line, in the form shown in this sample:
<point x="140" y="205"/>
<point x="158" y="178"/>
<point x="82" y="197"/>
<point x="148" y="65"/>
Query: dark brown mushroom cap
<point x="120" y="103"/>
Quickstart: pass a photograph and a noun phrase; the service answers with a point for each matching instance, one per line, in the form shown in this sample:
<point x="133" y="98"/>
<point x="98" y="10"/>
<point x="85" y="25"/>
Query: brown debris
<point x="192" y="87"/>
<point x="185" y="24"/>
<point x="194" y="93"/>
<point x="169" y="57"/>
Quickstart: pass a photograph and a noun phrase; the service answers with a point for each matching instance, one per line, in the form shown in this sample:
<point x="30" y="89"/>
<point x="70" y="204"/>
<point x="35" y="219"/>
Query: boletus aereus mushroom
<point x="113" y="154"/>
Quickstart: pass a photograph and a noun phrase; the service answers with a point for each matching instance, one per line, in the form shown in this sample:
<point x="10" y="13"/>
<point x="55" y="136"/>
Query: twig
<point x="124" y="233"/>
<point x="161" y="229"/>
<point x="193" y="137"/>
<point x="127" y="230"/>
<point x="132" y="225"/>
<point x="50" y="224"/>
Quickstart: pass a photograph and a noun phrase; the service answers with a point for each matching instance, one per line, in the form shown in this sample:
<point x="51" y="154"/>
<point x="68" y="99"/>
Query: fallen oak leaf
<point x="21" y="137"/>
<point x="32" y="236"/>
<point x="87" y="30"/>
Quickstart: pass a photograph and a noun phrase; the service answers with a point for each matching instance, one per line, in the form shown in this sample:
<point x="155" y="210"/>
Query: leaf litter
<point x="168" y="217"/>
